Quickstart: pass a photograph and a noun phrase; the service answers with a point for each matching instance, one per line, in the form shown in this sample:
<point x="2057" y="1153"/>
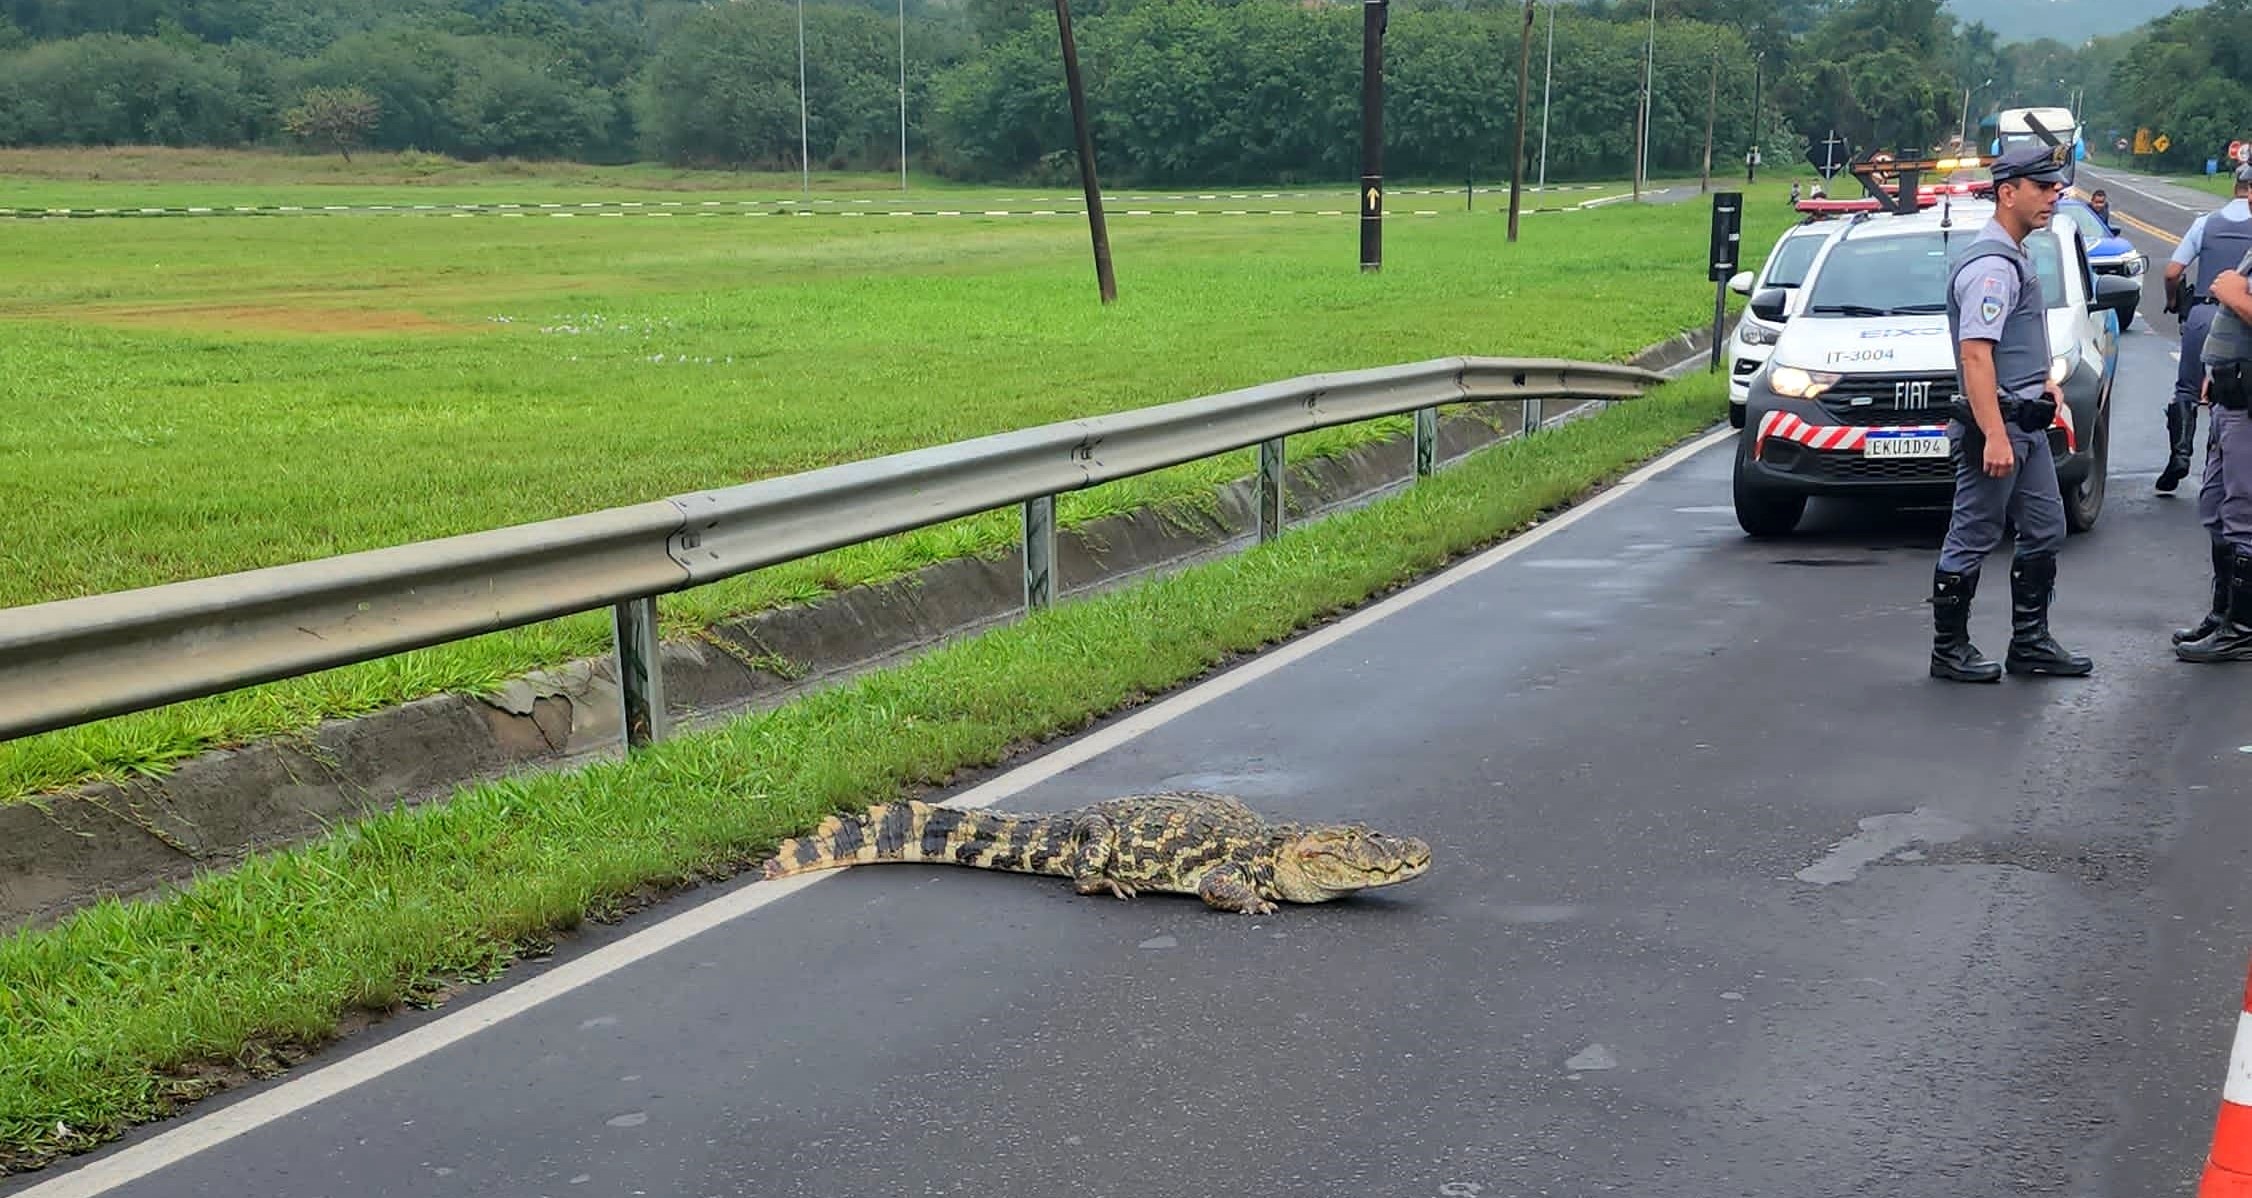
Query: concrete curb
<point x="137" y="838"/>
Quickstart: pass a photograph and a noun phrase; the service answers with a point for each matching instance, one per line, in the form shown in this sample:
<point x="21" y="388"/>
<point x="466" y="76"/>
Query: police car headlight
<point x="2059" y="367"/>
<point x="1758" y="334"/>
<point x="1794" y="383"/>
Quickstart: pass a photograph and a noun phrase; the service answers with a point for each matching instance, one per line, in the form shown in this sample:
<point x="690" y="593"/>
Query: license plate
<point x="1904" y="447"/>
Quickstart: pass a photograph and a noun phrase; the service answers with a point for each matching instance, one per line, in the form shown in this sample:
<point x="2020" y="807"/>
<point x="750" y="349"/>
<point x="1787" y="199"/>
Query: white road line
<point x="211" y="1130"/>
<point x="2114" y="181"/>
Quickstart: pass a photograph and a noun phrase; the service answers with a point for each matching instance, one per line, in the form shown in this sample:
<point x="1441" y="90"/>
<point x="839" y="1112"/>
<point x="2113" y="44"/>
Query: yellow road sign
<point x="2162" y="143"/>
<point x="2142" y="141"/>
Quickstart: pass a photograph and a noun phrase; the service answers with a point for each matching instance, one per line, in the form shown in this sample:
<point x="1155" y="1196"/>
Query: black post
<point x="1101" y="236"/>
<point x="1524" y="78"/>
<point x="1373" y="13"/>
<point x="1721" y="259"/>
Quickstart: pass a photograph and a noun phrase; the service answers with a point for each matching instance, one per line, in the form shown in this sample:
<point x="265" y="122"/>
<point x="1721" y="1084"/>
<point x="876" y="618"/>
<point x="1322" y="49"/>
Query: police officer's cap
<point x="2040" y="163"/>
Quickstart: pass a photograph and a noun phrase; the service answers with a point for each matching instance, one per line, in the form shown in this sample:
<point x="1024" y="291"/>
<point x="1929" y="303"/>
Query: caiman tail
<point x="912" y="831"/>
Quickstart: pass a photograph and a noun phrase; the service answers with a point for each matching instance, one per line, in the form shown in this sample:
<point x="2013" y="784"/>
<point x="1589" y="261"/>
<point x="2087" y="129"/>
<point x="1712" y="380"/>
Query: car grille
<point x="1869" y="400"/>
<point x="1845" y="467"/>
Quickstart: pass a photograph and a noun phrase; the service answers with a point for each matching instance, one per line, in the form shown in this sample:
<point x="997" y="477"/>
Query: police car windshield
<point x="1906" y="274"/>
<point x="1791" y="259"/>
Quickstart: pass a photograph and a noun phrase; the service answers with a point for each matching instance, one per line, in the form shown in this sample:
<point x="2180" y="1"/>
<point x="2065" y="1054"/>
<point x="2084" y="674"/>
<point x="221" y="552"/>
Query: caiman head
<point x="1331" y="860"/>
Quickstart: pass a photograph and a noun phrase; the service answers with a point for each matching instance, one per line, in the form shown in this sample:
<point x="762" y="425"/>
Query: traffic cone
<point x="2228" y="1167"/>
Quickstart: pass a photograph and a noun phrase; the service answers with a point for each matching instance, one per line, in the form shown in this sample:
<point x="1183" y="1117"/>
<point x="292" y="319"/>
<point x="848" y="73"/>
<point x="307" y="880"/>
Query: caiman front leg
<point x="1229" y="888"/>
<point x="1090" y="865"/>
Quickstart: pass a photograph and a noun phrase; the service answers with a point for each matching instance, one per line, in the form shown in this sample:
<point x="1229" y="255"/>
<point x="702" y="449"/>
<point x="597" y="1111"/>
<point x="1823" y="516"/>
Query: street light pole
<point x="805" y="160"/>
<point x="1751" y="160"/>
<point x="1712" y="113"/>
<point x="1649" y="76"/>
<point x="1548" y="77"/>
<point x="1524" y="89"/>
<point x="901" y="97"/>
<point x="1373" y="15"/>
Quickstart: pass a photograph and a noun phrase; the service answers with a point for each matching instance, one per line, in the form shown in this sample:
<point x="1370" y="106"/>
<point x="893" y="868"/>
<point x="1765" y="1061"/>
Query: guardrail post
<point x="1039" y="552"/>
<point x="641" y="675"/>
<point x="1270" y="488"/>
<point x="1426" y="440"/>
<point x="1532" y="411"/>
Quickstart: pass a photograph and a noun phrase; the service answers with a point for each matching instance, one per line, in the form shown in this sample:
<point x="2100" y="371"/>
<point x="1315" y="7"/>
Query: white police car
<point x="1785" y="268"/>
<point x="1852" y="400"/>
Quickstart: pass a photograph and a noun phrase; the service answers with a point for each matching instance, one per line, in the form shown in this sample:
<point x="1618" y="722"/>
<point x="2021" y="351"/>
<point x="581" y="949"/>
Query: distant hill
<point x="2068" y="21"/>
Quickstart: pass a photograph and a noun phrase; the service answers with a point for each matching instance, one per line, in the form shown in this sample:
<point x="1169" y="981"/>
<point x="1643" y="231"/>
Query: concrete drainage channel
<point x="133" y="839"/>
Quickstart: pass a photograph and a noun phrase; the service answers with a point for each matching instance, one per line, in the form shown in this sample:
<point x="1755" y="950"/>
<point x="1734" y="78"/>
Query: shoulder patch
<point x="1990" y="308"/>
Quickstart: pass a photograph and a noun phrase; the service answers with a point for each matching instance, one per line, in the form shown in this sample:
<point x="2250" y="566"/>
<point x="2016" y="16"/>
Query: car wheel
<point x="1735" y="415"/>
<point x="2084" y="502"/>
<point x="1762" y="512"/>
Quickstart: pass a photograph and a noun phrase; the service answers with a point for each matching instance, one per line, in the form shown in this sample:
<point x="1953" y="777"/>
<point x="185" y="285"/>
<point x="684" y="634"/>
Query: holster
<point x="2032" y="415"/>
<point x="2229" y="387"/>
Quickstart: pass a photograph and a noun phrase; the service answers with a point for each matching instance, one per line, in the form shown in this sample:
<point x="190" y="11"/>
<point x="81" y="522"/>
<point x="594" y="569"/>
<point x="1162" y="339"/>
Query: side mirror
<point x="2115" y="293"/>
<point x="1741" y="282"/>
<point x="1768" y="305"/>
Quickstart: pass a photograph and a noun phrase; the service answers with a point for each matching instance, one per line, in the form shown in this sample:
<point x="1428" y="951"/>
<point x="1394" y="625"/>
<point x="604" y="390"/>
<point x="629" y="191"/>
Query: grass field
<point x="195" y="396"/>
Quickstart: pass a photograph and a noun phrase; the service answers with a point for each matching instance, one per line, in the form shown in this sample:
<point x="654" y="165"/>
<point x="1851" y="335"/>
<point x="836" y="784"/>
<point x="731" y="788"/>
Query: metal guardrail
<point x="77" y="660"/>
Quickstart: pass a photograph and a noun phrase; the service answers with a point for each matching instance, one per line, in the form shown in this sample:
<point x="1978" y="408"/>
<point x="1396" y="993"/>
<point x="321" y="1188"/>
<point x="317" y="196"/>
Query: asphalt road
<point x="1730" y="899"/>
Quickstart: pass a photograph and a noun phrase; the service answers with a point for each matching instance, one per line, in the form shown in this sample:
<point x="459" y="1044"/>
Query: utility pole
<point x="1373" y="16"/>
<point x="1524" y="89"/>
<point x="1104" y="282"/>
<point x="1712" y="110"/>
<point x="805" y="154"/>
<point x="1751" y="160"/>
<point x="903" y="97"/>
<point x="1649" y="82"/>
<point x="1548" y="76"/>
<point x="1635" y="167"/>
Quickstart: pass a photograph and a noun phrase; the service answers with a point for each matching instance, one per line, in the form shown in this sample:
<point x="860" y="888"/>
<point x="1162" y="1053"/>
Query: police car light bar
<point x="1924" y="199"/>
<point x="1894" y="166"/>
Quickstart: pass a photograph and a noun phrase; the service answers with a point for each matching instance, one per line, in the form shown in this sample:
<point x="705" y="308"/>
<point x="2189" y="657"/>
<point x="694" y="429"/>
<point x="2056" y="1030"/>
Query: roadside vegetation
<point x="197" y="396"/>
<point x="125" y="1010"/>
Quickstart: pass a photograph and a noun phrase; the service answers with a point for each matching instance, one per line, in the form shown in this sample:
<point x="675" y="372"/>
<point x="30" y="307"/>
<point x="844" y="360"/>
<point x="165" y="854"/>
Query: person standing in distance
<point x="2215" y="242"/>
<point x="2225" y="501"/>
<point x="1999" y="431"/>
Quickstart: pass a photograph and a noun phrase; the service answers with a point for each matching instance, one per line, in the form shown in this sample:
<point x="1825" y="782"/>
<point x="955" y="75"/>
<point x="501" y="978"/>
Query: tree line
<point x="1179" y="90"/>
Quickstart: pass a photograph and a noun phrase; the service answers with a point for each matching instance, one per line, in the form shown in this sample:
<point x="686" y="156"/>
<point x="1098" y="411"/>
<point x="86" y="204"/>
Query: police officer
<point x="2215" y="242"/>
<point x="2225" y="501"/>
<point x="1999" y="431"/>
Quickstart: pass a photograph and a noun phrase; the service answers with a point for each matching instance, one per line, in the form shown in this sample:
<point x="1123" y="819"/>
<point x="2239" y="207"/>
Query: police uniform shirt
<point x="2229" y="340"/>
<point x="2186" y="252"/>
<point x="1985" y="292"/>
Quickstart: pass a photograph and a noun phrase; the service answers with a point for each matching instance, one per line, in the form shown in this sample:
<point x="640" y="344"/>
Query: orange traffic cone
<point x="2228" y="1167"/>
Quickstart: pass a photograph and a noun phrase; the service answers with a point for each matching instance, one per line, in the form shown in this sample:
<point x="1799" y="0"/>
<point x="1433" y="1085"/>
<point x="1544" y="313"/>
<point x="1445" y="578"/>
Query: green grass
<point x="114" y="1015"/>
<point x="194" y="397"/>
<point x="156" y="176"/>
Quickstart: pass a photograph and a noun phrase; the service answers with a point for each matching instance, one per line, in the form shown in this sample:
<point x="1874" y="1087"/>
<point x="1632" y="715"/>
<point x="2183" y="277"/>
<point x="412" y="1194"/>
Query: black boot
<point x="2215" y="618"/>
<point x="2232" y="641"/>
<point x="2181" y="439"/>
<point x="1953" y="657"/>
<point x="2032" y="649"/>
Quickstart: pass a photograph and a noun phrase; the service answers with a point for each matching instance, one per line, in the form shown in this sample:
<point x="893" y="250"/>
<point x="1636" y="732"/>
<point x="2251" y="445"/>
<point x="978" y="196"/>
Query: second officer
<point x="2215" y="241"/>
<point x="2000" y="432"/>
<point x="2225" y="502"/>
